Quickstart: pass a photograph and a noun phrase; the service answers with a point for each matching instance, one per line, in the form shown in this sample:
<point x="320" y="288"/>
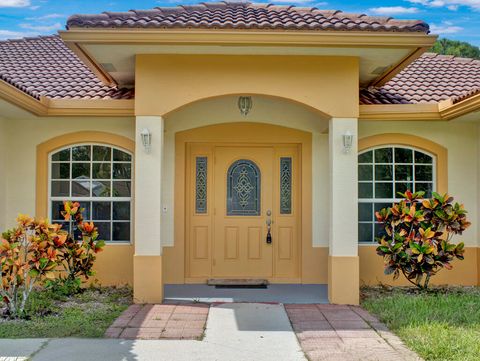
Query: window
<point x="383" y="172"/>
<point x="100" y="178"/>
<point x="243" y="188"/>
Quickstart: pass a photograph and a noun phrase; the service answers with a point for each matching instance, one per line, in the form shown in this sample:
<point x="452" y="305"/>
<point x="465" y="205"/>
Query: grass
<point x="87" y="314"/>
<point x="439" y="324"/>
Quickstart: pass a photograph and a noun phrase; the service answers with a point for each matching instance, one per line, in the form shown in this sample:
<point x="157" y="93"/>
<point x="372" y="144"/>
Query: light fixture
<point x="146" y="139"/>
<point x="245" y="105"/>
<point x="347" y="142"/>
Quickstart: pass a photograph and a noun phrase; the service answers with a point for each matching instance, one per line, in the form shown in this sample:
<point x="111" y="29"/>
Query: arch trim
<point x="440" y="152"/>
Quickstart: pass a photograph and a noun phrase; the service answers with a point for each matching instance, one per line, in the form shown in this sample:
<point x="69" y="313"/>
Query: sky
<point x="453" y="19"/>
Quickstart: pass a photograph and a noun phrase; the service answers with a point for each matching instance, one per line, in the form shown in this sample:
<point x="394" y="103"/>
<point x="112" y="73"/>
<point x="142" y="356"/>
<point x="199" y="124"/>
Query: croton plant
<point x="37" y="252"/>
<point x="418" y="236"/>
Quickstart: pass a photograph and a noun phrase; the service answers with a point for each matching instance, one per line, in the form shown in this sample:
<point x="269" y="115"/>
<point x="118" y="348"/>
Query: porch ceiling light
<point x="245" y="105"/>
<point x="146" y="139"/>
<point x="347" y="142"/>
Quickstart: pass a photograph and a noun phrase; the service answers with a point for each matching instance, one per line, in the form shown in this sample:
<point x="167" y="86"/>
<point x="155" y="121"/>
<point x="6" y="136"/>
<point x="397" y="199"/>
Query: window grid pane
<point x="394" y="169"/>
<point x="86" y="174"/>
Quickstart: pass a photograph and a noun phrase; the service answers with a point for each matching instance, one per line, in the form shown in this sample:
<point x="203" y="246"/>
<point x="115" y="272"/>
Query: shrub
<point x="78" y="255"/>
<point x="418" y="239"/>
<point x="28" y="255"/>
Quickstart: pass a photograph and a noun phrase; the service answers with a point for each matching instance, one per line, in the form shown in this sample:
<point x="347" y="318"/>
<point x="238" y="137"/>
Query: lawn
<point x="87" y="314"/>
<point x="441" y="324"/>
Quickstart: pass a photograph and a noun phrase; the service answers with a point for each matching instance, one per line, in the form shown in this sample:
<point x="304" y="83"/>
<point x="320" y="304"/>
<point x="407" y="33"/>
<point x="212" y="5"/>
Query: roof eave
<point x="45" y="107"/>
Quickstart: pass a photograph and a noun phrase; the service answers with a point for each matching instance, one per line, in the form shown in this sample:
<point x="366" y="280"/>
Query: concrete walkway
<point x="235" y="331"/>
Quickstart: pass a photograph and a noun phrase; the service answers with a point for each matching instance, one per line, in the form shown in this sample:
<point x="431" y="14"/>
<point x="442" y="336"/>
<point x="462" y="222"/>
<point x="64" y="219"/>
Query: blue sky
<point x="455" y="19"/>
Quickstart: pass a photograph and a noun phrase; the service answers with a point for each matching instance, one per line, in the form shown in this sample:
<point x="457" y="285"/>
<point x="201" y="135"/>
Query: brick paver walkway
<point x="344" y="333"/>
<point x="166" y="321"/>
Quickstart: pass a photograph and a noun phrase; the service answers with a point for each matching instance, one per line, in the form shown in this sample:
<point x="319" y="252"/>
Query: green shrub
<point x="418" y="239"/>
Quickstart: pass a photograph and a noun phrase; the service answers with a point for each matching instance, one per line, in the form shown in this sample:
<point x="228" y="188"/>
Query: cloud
<point x="449" y="4"/>
<point x="47" y="16"/>
<point x="393" y="10"/>
<point x="41" y="28"/>
<point x="445" y="28"/>
<point x="14" y="3"/>
<point x="9" y="34"/>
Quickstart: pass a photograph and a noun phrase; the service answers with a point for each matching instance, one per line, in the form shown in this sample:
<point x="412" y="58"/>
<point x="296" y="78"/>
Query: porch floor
<point x="278" y="293"/>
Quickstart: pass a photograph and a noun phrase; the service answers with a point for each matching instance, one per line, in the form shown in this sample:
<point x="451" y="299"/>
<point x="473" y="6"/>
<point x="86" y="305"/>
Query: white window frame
<point x="374" y="200"/>
<point x="91" y="198"/>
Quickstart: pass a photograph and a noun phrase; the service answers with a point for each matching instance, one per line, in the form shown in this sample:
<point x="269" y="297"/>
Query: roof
<point x="245" y="15"/>
<point x="45" y="66"/>
<point x="430" y="78"/>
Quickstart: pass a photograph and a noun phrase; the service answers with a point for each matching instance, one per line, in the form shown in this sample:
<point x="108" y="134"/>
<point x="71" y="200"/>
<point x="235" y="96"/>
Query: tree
<point x="457" y="48"/>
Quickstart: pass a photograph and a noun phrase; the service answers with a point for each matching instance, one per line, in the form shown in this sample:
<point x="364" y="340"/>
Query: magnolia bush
<point x="37" y="252"/>
<point x="418" y="239"/>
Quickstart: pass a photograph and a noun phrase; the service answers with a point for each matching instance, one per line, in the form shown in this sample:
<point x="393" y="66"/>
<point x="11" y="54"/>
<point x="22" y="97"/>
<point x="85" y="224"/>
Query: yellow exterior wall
<point x="20" y="139"/>
<point x="460" y="140"/>
<point x="164" y="83"/>
<point x="3" y="178"/>
<point x="461" y="144"/>
<point x="464" y="272"/>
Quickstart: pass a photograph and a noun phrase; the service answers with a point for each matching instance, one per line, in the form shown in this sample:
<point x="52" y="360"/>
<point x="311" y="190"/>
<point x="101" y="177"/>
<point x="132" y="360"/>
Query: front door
<point x="243" y="202"/>
<point x="243" y="209"/>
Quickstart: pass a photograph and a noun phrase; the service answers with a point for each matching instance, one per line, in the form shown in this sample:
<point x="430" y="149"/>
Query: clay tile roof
<point x="245" y="15"/>
<point x="431" y="78"/>
<point x="45" y="66"/>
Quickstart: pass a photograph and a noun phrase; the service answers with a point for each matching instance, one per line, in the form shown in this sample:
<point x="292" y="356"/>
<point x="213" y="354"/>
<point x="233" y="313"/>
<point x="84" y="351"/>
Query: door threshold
<point x="237" y="283"/>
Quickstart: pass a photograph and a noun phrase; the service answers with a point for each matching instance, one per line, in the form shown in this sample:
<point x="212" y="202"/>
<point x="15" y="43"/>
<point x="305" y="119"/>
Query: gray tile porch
<point x="280" y="293"/>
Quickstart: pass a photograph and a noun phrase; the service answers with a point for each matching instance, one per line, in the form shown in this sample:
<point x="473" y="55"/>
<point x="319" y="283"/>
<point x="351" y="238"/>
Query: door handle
<point x="269" y="227"/>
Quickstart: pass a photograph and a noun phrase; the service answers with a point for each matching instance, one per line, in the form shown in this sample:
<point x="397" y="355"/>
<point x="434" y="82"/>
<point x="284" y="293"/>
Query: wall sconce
<point x="245" y="105"/>
<point x="146" y="139"/>
<point x="347" y="142"/>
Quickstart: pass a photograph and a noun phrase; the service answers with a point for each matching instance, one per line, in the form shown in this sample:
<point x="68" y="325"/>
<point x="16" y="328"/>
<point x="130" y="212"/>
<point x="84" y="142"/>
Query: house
<point x="237" y="140"/>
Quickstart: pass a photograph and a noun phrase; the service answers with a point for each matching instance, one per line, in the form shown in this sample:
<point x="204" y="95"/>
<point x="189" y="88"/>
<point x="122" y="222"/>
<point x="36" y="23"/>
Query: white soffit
<point x="121" y="58"/>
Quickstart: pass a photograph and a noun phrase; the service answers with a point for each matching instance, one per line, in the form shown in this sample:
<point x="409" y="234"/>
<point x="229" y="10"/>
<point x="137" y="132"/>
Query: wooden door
<point x="243" y="195"/>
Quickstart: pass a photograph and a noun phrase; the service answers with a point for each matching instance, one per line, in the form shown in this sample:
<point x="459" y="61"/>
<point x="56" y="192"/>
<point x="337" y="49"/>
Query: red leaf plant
<point x="418" y="236"/>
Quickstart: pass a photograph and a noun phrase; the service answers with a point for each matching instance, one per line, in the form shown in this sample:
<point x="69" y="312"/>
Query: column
<point x="343" y="263"/>
<point x="147" y="265"/>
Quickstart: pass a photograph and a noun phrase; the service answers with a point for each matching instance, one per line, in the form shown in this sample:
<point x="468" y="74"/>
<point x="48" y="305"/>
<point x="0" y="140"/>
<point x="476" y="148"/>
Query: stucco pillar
<point x="343" y="264"/>
<point x="147" y="265"/>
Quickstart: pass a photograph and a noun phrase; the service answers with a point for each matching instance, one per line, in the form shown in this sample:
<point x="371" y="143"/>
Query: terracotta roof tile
<point x="431" y="78"/>
<point x="245" y="15"/>
<point x="45" y="66"/>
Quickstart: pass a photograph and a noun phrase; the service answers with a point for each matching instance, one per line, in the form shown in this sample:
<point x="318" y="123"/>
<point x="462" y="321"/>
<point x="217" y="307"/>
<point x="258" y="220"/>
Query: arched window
<point x="385" y="171"/>
<point x="243" y="188"/>
<point x="100" y="178"/>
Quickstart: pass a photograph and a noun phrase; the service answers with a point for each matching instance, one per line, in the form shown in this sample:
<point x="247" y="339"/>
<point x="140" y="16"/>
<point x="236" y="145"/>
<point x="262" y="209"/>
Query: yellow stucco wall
<point x="164" y="83"/>
<point x="460" y="139"/>
<point x="3" y="178"/>
<point x="20" y="139"/>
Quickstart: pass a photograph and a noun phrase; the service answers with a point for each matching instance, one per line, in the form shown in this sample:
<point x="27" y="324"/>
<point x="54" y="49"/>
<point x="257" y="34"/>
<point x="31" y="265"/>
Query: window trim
<point x="91" y="198"/>
<point x="408" y="140"/>
<point x="68" y="140"/>
<point x="395" y="197"/>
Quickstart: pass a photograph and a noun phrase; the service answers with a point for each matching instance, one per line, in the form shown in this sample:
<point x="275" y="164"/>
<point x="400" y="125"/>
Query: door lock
<point x="269" y="227"/>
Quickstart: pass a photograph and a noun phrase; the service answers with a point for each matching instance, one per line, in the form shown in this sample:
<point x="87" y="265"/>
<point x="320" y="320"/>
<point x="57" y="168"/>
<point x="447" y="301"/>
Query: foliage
<point x="456" y="48"/>
<point x="28" y="255"/>
<point x="78" y="255"/>
<point x="440" y="324"/>
<point x="53" y="314"/>
<point x="37" y="252"/>
<point x="418" y="236"/>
